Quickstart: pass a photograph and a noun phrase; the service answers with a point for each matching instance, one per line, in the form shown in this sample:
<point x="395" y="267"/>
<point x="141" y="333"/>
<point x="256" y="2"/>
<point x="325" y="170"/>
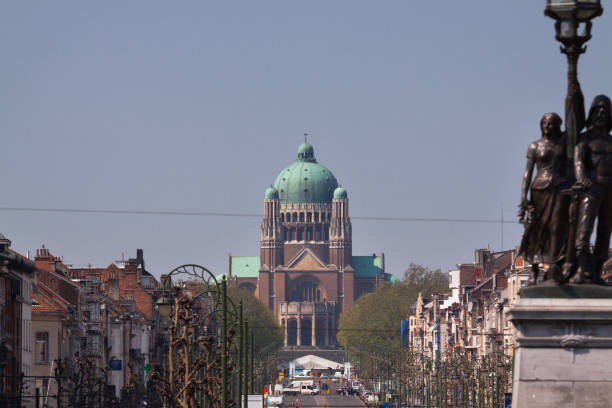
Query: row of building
<point x="471" y="317"/>
<point x="51" y="311"/>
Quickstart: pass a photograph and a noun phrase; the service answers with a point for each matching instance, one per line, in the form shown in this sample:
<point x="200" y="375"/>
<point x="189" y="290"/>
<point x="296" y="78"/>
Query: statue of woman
<point x="543" y="208"/>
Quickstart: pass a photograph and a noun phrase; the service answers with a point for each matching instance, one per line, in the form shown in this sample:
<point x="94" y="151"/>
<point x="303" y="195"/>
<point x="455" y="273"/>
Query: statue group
<point x="571" y="190"/>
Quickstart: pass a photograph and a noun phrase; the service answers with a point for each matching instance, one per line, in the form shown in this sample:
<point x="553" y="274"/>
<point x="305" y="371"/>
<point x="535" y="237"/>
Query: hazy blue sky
<point x="420" y="109"/>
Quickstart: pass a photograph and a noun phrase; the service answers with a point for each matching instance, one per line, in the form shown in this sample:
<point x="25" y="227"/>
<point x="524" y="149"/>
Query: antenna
<point x="305" y="137"/>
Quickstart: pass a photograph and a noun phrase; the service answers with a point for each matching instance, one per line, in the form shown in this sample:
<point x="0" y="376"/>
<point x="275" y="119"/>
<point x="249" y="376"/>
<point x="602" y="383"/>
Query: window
<point x="42" y="347"/>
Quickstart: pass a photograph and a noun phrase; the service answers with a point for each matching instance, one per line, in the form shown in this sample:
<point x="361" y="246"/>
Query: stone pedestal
<point x="563" y="347"/>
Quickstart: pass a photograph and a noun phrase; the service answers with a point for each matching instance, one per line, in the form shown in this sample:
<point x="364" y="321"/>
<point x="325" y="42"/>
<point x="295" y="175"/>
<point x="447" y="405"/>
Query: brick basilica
<point x="306" y="271"/>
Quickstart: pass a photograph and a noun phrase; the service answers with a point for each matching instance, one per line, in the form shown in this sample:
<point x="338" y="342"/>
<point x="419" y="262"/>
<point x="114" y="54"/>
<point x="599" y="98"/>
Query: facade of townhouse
<point x="17" y="276"/>
<point x="470" y="318"/>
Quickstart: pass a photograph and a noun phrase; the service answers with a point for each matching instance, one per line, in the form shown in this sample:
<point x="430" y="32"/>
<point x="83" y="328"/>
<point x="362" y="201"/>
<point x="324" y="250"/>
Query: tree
<point x="267" y="333"/>
<point x="427" y="281"/>
<point x="373" y="322"/>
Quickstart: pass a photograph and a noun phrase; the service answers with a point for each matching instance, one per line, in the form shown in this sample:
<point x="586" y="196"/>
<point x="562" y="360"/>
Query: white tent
<point x="311" y="362"/>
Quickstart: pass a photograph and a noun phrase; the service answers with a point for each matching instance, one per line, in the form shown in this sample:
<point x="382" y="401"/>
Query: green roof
<point x="245" y="266"/>
<point x="305" y="181"/>
<point x="367" y="266"/>
<point x="364" y="266"/>
<point x="391" y="278"/>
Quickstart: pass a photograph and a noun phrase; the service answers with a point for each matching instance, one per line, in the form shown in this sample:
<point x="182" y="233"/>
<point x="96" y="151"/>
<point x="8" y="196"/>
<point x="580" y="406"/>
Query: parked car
<point x="341" y="391"/>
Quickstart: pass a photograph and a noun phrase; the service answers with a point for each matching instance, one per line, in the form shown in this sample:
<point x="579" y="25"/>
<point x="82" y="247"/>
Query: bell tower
<point x="270" y="231"/>
<point x="340" y="231"/>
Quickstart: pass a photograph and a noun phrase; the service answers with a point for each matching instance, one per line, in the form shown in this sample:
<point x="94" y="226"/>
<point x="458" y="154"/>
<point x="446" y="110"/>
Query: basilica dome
<point x="305" y="181"/>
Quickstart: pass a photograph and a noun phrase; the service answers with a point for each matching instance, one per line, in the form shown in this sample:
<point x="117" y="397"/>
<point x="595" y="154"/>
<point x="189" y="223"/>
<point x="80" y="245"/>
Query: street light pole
<point x="570" y="17"/>
<point x="224" y="344"/>
<point x="240" y="352"/>
<point x="252" y="361"/>
<point x="246" y="364"/>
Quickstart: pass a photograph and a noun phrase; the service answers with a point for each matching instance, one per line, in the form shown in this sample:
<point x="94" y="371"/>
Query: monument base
<point x="563" y="346"/>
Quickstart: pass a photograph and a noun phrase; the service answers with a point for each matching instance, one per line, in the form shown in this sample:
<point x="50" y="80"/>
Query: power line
<point x="243" y="215"/>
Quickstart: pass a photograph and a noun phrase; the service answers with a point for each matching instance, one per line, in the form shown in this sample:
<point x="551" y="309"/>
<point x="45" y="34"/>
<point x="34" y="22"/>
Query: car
<point x="341" y="391"/>
<point x="352" y="391"/>
<point x="372" y="397"/>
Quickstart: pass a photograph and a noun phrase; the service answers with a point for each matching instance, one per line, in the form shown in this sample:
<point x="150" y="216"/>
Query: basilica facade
<point x="306" y="272"/>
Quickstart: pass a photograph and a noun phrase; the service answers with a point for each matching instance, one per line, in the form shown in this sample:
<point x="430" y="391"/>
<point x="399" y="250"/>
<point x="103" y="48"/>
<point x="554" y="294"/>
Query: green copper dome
<point x="340" y="192"/>
<point x="305" y="181"/>
<point x="271" y="193"/>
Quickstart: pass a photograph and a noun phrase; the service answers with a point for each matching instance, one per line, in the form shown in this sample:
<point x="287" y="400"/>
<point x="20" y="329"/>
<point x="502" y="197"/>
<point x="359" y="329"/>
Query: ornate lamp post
<point x="190" y="354"/>
<point x="573" y="30"/>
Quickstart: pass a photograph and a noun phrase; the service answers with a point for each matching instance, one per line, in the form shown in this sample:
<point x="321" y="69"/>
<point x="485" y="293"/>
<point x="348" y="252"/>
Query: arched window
<point x="247" y="286"/>
<point x="294" y="217"/>
<point x="282" y="217"/>
<point x="326" y="234"/>
<point x="305" y="291"/>
<point x="309" y="234"/>
<point x="308" y="217"/>
<point x="301" y="217"/>
<point x="316" y="217"/>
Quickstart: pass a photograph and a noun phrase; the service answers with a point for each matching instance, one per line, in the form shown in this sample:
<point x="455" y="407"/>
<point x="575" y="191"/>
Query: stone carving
<point x="573" y="334"/>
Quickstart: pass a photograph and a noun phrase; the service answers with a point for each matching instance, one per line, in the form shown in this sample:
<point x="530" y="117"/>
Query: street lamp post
<point x="573" y="29"/>
<point x="199" y="375"/>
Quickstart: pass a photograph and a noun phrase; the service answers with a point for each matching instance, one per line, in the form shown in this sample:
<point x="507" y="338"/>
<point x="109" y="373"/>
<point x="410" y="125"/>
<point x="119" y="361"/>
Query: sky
<point x="420" y="109"/>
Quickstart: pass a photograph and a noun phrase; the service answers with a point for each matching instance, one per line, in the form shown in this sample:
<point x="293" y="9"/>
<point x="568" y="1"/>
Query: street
<point x="331" y="400"/>
<point x="323" y="400"/>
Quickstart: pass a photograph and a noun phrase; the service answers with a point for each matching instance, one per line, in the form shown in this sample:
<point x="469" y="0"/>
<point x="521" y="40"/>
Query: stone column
<point x="299" y="330"/>
<point x="286" y="329"/>
<point x="326" y="328"/>
<point x="314" y="329"/>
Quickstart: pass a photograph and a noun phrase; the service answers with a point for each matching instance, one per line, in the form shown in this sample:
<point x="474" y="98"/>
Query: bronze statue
<point x="593" y="170"/>
<point x="544" y="208"/>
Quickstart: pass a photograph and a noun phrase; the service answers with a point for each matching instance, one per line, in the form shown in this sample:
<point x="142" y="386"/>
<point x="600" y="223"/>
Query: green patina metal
<point x="364" y="266"/>
<point x="340" y="193"/>
<point x="305" y="181"/>
<point x="271" y="193"/>
<point x="367" y="266"/>
<point x="243" y="267"/>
